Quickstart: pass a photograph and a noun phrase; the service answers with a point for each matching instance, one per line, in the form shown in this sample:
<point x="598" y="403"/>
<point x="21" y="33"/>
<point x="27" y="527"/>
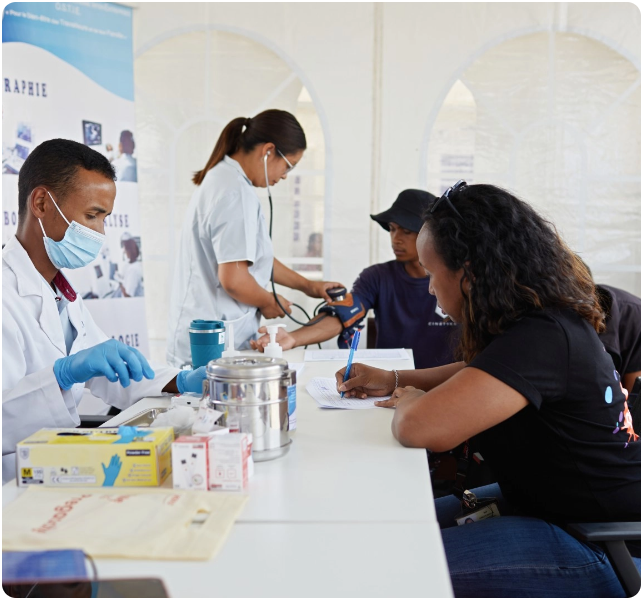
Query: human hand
<point x="318" y="289"/>
<point x="112" y="470"/>
<point x="272" y="310"/>
<point x="400" y="394"/>
<point x="111" y="359"/>
<point x="190" y="381"/>
<point x="284" y="339"/>
<point x="365" y="381"/>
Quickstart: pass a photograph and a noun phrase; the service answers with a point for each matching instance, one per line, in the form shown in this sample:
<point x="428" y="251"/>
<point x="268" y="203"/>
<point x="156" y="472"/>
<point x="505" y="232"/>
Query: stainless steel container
<point x="252" y="392"/>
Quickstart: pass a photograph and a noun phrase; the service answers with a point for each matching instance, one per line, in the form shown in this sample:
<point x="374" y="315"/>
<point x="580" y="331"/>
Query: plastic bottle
<point x="229" y="343"/>
<point x="273" y="349"/>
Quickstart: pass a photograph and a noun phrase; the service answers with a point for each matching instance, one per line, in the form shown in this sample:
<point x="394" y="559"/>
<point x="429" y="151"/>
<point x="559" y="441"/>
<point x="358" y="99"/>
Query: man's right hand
<point x="111" y="359"/>
<point x="284" y="339"/>
<point x="272" y="310"/>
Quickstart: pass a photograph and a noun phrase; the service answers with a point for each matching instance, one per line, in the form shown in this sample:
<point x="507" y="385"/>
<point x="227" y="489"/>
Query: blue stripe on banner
<point x="94" y="37"/>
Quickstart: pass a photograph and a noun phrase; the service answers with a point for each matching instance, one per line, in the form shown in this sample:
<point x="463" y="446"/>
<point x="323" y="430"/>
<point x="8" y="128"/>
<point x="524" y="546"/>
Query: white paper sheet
<point x="298" y="367"/>
<point x="324" y="391"/>
<point x="361" y="354"/>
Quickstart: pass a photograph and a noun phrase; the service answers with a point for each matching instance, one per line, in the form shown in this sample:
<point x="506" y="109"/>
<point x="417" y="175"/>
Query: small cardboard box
<point x="229" y="456"/>
<point x="190" y="462"/>
<point x="190" y="458"/>
<point x="120" y="457"/>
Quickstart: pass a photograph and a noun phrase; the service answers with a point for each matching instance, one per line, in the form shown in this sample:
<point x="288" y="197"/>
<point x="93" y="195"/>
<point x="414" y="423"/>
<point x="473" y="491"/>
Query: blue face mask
<point x="78" y="248"/>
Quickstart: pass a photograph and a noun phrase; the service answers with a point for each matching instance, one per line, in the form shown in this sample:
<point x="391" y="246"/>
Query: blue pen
<point x="347" y="374"/>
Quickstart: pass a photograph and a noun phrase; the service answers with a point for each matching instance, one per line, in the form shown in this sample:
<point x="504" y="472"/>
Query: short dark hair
<point x="54" y="163"/>
<point x="127" y="142"/>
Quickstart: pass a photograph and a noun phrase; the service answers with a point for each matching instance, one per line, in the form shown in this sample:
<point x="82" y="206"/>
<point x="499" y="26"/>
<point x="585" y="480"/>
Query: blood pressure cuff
<point x="350" y="311"/>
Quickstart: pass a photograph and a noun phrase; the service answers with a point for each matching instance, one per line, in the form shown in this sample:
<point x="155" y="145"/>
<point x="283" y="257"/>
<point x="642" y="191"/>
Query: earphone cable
<point x="272" y="272"/>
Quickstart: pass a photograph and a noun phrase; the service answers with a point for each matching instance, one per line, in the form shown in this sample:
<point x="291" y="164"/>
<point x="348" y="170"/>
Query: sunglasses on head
<point x="458" y="186"/>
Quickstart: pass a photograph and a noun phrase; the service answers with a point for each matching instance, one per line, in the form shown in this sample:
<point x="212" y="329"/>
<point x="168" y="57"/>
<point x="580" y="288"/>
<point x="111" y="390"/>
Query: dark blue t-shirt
<point x="405" y="314"/>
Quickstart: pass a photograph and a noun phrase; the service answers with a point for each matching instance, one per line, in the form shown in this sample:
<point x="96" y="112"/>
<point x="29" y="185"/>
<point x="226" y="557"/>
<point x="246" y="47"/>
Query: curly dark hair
<point x="515" y="260"/>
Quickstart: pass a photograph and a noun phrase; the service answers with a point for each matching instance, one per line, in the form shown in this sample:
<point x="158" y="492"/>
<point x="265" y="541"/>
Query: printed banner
<point x="68" y="72"/>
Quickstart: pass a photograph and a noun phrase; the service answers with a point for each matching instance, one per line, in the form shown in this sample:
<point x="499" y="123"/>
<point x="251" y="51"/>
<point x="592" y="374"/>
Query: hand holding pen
<point x="363" y="381"/>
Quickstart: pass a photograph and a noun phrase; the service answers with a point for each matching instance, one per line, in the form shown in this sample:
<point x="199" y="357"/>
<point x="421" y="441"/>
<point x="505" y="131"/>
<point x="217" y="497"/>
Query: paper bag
<point x="134" y="523"/>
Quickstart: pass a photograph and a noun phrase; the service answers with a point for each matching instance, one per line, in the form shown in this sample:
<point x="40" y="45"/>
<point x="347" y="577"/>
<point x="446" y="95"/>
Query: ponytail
<point x="276" y="126"/>
<point x="228" y="143"/>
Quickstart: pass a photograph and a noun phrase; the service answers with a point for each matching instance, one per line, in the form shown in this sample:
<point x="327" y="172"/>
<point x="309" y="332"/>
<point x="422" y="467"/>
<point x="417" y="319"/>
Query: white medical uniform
<point x="125" y="167"/>
<point x="33" y="338"/>
<point x="224" y="223"/>
<point x="132" y="278"/>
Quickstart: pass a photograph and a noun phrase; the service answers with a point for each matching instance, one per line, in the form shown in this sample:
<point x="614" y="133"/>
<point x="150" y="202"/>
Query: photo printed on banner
<point x="68" y="73"/>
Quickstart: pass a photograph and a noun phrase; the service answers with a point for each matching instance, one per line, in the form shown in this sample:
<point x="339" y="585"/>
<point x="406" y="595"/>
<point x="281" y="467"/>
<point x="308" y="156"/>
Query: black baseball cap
<point x="407" y="210"/>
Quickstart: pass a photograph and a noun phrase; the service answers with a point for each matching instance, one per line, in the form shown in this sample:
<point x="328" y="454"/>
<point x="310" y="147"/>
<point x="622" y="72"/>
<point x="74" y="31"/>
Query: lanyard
<point x="462" y="470"/>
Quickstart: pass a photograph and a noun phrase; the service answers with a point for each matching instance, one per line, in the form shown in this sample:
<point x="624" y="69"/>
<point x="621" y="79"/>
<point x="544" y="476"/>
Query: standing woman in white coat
<point x="225" y="257"/>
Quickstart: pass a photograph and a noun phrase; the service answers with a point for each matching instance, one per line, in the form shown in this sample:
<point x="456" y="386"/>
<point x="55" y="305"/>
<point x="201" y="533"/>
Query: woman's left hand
<point x="399" y="394"/>
<point x="317" y="289"/>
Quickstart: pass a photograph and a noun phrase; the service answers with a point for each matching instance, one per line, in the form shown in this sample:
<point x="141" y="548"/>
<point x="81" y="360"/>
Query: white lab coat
<point x="125" y="167"/>
<point x="131" y="276"/>
<point x="223" y="223"/>
<point x="32" y="340"/>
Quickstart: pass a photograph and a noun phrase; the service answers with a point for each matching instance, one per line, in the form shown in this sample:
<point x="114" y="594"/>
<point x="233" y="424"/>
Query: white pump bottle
<point x="229" y="339"/>
<point x="273" y="349"/>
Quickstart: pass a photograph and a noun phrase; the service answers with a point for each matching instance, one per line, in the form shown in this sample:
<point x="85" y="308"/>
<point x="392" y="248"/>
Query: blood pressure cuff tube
<point x="350" y="311"/>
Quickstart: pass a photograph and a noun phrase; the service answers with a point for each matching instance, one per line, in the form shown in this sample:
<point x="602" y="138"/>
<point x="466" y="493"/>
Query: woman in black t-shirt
<point x="535" y="387"/>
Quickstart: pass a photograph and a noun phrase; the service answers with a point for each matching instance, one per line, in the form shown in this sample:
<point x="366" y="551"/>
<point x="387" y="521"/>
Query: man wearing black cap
<point x="406" y="315"/>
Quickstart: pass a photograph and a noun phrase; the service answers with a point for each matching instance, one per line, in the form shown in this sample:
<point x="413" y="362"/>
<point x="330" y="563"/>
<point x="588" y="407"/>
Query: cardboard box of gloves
<point x="119" y="457"/>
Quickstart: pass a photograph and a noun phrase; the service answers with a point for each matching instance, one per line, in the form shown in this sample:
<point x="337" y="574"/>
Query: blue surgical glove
<point x="191" y="381"/>
<point x="129" y="434"/>
<point x="112" y="470"/>
<point x="111" y="359"/>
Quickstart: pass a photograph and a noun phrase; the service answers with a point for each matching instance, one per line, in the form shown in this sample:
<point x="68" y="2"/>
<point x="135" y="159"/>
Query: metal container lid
<point x="258" y="368"/>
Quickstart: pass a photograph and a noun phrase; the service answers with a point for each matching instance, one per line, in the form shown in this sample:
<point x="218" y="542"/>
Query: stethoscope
<point x="334" y="293"/>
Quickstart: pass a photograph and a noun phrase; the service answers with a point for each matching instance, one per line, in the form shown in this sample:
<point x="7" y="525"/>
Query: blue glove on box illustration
<point x="112" y="470"/>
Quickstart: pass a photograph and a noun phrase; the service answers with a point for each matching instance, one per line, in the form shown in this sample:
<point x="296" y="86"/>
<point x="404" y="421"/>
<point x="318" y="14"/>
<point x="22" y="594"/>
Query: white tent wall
<point x="329" y="48"/>
<point x="595" y="204"/>
<point x="376" y="76"/>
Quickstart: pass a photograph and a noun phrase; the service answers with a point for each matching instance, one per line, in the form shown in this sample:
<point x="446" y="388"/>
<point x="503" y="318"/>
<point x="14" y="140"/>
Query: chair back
<point x="634" y="404"/>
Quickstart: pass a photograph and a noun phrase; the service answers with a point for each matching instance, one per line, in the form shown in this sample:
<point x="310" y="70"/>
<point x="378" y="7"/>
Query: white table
<point x="303" y="560"/>
<point x="347" y="512"/>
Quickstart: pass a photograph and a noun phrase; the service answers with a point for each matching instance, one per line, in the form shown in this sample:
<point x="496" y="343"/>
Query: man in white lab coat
<point x="51" y="347"/>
